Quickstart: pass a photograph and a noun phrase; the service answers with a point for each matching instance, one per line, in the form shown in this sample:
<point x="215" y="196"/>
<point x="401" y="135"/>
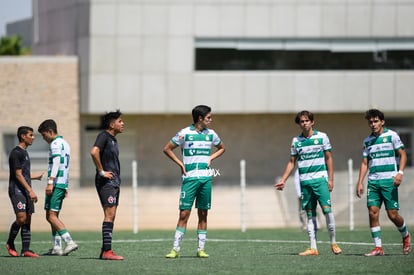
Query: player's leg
<point x="203" y="204"/>
<point x="309" y="204"/>
<point x="52" y="216"/>
<point x="109" y="198"/>
<point x="374" y="201"/>
<point x="25" y="230"/>
<point x="392" y="208"/>
<point x="187" y="197"/>
<point x="19" y="203"/>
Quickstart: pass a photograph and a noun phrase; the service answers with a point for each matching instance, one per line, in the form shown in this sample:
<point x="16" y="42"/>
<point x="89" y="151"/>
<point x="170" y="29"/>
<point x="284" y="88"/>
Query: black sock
<point x="107" y="228"/>
<point x="26" y="236"/>
<point x="14" y="230"/>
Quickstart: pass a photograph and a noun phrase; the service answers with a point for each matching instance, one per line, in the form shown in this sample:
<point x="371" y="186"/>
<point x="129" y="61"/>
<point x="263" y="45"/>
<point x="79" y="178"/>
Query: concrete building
<point x="140" y="56"/>
<point x="156" y="59"/>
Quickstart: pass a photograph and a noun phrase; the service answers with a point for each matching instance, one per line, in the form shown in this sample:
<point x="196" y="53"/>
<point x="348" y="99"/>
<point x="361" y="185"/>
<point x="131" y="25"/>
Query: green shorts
<point x="384" y="191"/>
<point x="314" y="193"/>
<point x="198" y="189"/>
<point x="54" y="202"/>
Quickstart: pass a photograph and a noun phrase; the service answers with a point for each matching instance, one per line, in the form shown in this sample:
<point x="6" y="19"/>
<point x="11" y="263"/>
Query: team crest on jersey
<point x="21" y="205"/>
<point x="111" y="199"/>
<point x="384" y="140"/>
<point x="315" y="141"/>
<point x="207" y="137"/>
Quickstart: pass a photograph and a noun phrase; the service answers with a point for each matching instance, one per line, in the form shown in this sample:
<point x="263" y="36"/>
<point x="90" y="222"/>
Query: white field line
<point x="224" y="241"/>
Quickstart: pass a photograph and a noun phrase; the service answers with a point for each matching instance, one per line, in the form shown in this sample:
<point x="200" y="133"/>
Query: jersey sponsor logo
<point x="21" y="205"/>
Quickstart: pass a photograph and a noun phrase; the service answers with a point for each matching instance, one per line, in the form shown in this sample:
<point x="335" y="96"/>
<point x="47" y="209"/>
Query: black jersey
<point x="18" y="159"/>
<point x="109" y="154"/>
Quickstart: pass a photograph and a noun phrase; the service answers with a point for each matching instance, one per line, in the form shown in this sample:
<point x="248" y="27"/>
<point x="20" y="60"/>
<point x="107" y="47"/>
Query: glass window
<point x="302" y="54"/>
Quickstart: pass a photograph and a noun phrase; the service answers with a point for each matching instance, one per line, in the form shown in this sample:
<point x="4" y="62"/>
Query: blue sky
<point x="13" y="10"/>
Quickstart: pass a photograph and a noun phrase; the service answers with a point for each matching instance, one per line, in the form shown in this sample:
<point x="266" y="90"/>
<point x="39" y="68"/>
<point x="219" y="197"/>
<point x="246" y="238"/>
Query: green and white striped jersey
<point x="59" y="147"/>
<point x="196" y="150"/>
<point x="380" y="153"/>
<point x="310" y="154"/>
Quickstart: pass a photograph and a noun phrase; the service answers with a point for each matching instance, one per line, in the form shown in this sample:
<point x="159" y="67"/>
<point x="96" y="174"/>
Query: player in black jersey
<point x="21" y="193"/>
<point x="105" y="155"/>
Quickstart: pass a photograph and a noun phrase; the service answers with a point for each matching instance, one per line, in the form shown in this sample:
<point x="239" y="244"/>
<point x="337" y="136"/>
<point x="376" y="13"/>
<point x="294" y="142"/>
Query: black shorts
<point x="22" y="203"/>
<point x="108" y="193"/>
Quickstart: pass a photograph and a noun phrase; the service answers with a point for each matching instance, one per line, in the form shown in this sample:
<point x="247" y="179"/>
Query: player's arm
<point x="403" y="162"/>
<point x="168" y="151"/>
<point x="96" y="158"/>
<point x="220" y="151"/>
<point x="330" y="168"/>
<point x="363" y="169"/>
<point x="37" y="176"/>
<point x="289" y="168"/>
<point x="23" y="182"/>
<point x="53" y="174"/>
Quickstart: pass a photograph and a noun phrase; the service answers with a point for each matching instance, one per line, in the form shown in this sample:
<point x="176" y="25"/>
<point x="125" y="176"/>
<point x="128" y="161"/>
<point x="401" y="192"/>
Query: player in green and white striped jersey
<point x="384" y="159"/>
<point x="196" y="142"/>
<point x="57" y="185"/>
<point x="312" y="152"/>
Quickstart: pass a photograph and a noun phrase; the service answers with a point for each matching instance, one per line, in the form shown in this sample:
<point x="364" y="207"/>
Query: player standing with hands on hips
<point x="312" y="152"/>
<point x="196" y="142"/>
<point x="384" y="159"/>
<point x="21" y="193"/>
<point x="57" y="186"/>
<point x="105" y="156"/>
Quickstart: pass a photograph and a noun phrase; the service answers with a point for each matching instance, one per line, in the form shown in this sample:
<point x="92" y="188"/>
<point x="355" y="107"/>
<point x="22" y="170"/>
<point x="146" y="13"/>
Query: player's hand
<point x="33" y="196"/>
<point x="397" y="179"/>
<point x="49" y="189"/>
<point x="280" y="185"/>
<point x="108" y="175"/>
<point x="359" y="190"/>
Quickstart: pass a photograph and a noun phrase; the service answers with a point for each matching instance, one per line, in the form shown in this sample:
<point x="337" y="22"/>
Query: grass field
<point x="267" y="251"/>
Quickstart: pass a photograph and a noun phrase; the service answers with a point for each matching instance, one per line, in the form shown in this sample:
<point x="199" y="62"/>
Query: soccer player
<point x="196" y="142"/>
<point x="57" y="186"/>
<point x="21" y="193"/>
<point x="384" y="159"/>
<point x="105" y="156"/>
<point x="312" y="152"/>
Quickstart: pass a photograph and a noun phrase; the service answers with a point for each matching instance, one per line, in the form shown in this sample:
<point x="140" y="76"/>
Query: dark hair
<point x="200" y="110"/>
<point x="48" y="124"/>
<point x="23" y="130"/>
<point x="108" y="118"/>
<point x="372" y="113"/>
<point x="303" y="113"/>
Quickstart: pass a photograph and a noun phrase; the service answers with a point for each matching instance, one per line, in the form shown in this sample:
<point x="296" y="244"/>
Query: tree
<point x="12" y="45"/>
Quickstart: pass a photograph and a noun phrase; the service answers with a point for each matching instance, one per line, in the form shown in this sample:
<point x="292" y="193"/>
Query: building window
<point x="38" y="151"/>
<point x="304" y="54"/>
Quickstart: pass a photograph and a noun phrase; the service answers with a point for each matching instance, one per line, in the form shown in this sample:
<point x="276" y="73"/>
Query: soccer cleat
<point x="55" y="251"/>
<point x="309" y="252"/>
<point x="12" y="250"/>
<point x="202" y="254"/>
<point x="336" y="249"/>
<point x="110" y="255"/>
<point x="377" y="251"/>
<point x="173" y="254"/>
<point x="29" y="253"/>
<point x="71" y="246"/>
<point x="407" y="244"/>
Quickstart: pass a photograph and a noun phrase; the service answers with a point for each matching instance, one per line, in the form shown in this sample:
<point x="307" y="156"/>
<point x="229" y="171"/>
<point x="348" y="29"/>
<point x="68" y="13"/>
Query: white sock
<point x="330" y="224"/>
<point x="312" y="228"/>
<point x="57" y="241"/>
<point x="178" y="237"/>
<point x="202" y="236"/>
